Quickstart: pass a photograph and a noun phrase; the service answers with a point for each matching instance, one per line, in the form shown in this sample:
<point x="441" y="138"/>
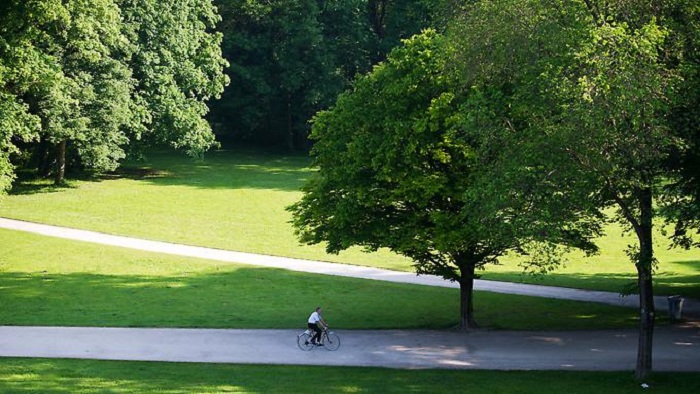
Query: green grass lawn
<point x="50" y="281"/>
<point x="235" y="200"/>
<point x="231" y="200"/>
<point x="86" y="376"/>
<point x="678" y="271"/>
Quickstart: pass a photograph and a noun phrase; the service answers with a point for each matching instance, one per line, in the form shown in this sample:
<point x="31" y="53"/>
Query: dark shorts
<point x="317" y="330"/>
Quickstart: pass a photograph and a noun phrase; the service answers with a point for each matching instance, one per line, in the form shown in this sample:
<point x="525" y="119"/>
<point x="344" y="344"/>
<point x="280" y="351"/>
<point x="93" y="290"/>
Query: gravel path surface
<point x="675" y="349"/>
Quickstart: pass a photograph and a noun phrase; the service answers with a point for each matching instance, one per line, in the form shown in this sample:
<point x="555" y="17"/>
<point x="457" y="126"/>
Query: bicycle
<point x="329" y="340"/>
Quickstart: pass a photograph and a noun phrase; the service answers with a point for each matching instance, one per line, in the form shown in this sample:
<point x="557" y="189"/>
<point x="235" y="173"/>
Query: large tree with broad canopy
<point x="401" y="168"/>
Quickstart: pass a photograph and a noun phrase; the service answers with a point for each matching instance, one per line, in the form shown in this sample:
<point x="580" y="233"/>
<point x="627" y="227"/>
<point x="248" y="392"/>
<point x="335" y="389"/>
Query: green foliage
<point x="80" y="80"/>
<point x="592" y="87"/>
<point x="380" y="150"/>
<point x="584" y="84"/>
<point x="177" y="63"/>
<point x="291" y="59"/>
<point x="503" y="55"/>
<point x="282" y="66"/>
<point x="71" y="81"/>
<point x="598" y="101"/>
<point x="682" y="204"/>
<point x="402" y="166"/>
<point x="15" y="123"/>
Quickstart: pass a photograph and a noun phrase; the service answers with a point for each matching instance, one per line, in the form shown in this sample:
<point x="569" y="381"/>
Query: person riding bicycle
<point x="317" y="323"/>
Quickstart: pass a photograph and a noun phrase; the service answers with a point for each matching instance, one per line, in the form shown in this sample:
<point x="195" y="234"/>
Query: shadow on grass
<point x="685" y="285"/>
<point x="665" y="283"/>
<point x="37" y="186"/>
<point x="239" y="298"/>
<point x="223" y="169"/>
<point x="274" y="298"/>
<point x="242" y="169"/>
<point x="695" y="265"/>
<point x="89" y="376"/>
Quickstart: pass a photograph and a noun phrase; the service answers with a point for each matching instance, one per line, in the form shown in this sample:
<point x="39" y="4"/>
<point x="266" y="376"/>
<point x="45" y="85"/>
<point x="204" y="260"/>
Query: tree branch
<point x="626" y="212"/>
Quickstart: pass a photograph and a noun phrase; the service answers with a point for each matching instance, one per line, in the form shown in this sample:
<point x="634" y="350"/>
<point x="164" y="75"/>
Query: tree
<point x="16" y="123"/>
<point x="17" y="63"/>
<point x="624" y="139"/>
<point x="591" y="84"/>
<point x="681" y="197"/>
<point x="70" y="81"/>
<point x="281" y="68"/>
<point x="87" y="78"/>
<point x="177" y="63"/>
<point x="615" y="110"/>
<point x="394" y="20"/>
<point x="399" y="169"/>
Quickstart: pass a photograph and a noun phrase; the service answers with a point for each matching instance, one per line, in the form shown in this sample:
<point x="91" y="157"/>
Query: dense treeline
<point x="291" y="58"/>
<point x="83" y="82"/>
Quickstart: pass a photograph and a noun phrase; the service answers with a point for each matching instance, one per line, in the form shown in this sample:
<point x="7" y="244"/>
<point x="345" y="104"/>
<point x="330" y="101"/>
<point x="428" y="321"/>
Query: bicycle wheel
<point x="331" y="341"/>
<point x="304" y="341"/>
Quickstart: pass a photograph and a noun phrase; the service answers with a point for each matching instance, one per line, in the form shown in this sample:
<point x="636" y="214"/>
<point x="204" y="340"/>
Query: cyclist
<point x="317" y="323"/>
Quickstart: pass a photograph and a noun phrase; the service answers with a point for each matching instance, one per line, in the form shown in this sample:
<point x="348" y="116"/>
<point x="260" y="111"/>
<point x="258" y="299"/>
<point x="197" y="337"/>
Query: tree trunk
<point x="646" y="292"/>
<point x="45" y="158"/>
<point x="60" y="163"/>
<point x="377" y="17"/>
<point x="377" y="13"/>
<point x="290" y="125"/>
<point x="466" y="294"/>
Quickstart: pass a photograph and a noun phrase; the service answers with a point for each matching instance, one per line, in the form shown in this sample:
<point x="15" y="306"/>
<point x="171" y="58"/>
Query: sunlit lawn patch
<point x="50" y="281"/>
<point x="235" y="200"/>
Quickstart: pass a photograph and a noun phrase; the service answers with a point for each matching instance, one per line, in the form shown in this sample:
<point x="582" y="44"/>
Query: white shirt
<point x="314" y="318"/>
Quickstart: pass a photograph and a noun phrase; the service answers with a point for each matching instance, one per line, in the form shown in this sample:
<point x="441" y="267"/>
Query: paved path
<point x="690" y="307"/>
<point x="675" y="349"/>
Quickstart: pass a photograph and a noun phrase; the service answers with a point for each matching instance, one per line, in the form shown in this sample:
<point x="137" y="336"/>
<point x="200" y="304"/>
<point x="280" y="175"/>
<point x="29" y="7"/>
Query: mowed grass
<point x="54" y="282"/>
<point x="232" y="200"/>
<point x="678" y="271"/>
<point x="235" y="200"/>
<point x="88" y="376"/>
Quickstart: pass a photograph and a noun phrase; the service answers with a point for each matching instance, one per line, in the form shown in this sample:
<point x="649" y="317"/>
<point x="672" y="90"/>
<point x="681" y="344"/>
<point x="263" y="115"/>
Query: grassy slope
<point x="232" y="200"/>
<point x="50" y="281"/>
<point x="235" y="200"/>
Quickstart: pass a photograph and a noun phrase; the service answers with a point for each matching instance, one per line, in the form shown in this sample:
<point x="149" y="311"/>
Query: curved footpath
<point x="690" y="307"/>
<point x="675" y="348"/>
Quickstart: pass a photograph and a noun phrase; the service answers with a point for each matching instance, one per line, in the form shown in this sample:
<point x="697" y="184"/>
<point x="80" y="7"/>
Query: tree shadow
<point x="694" y="264"/>
<point x="255" y="297"/>
<point x="665" y="282"/>
<point x="134" y="173"/>
<point x="222" y="169"/>
<point x="38" y="186"/>
<point x="240" y="297"/>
